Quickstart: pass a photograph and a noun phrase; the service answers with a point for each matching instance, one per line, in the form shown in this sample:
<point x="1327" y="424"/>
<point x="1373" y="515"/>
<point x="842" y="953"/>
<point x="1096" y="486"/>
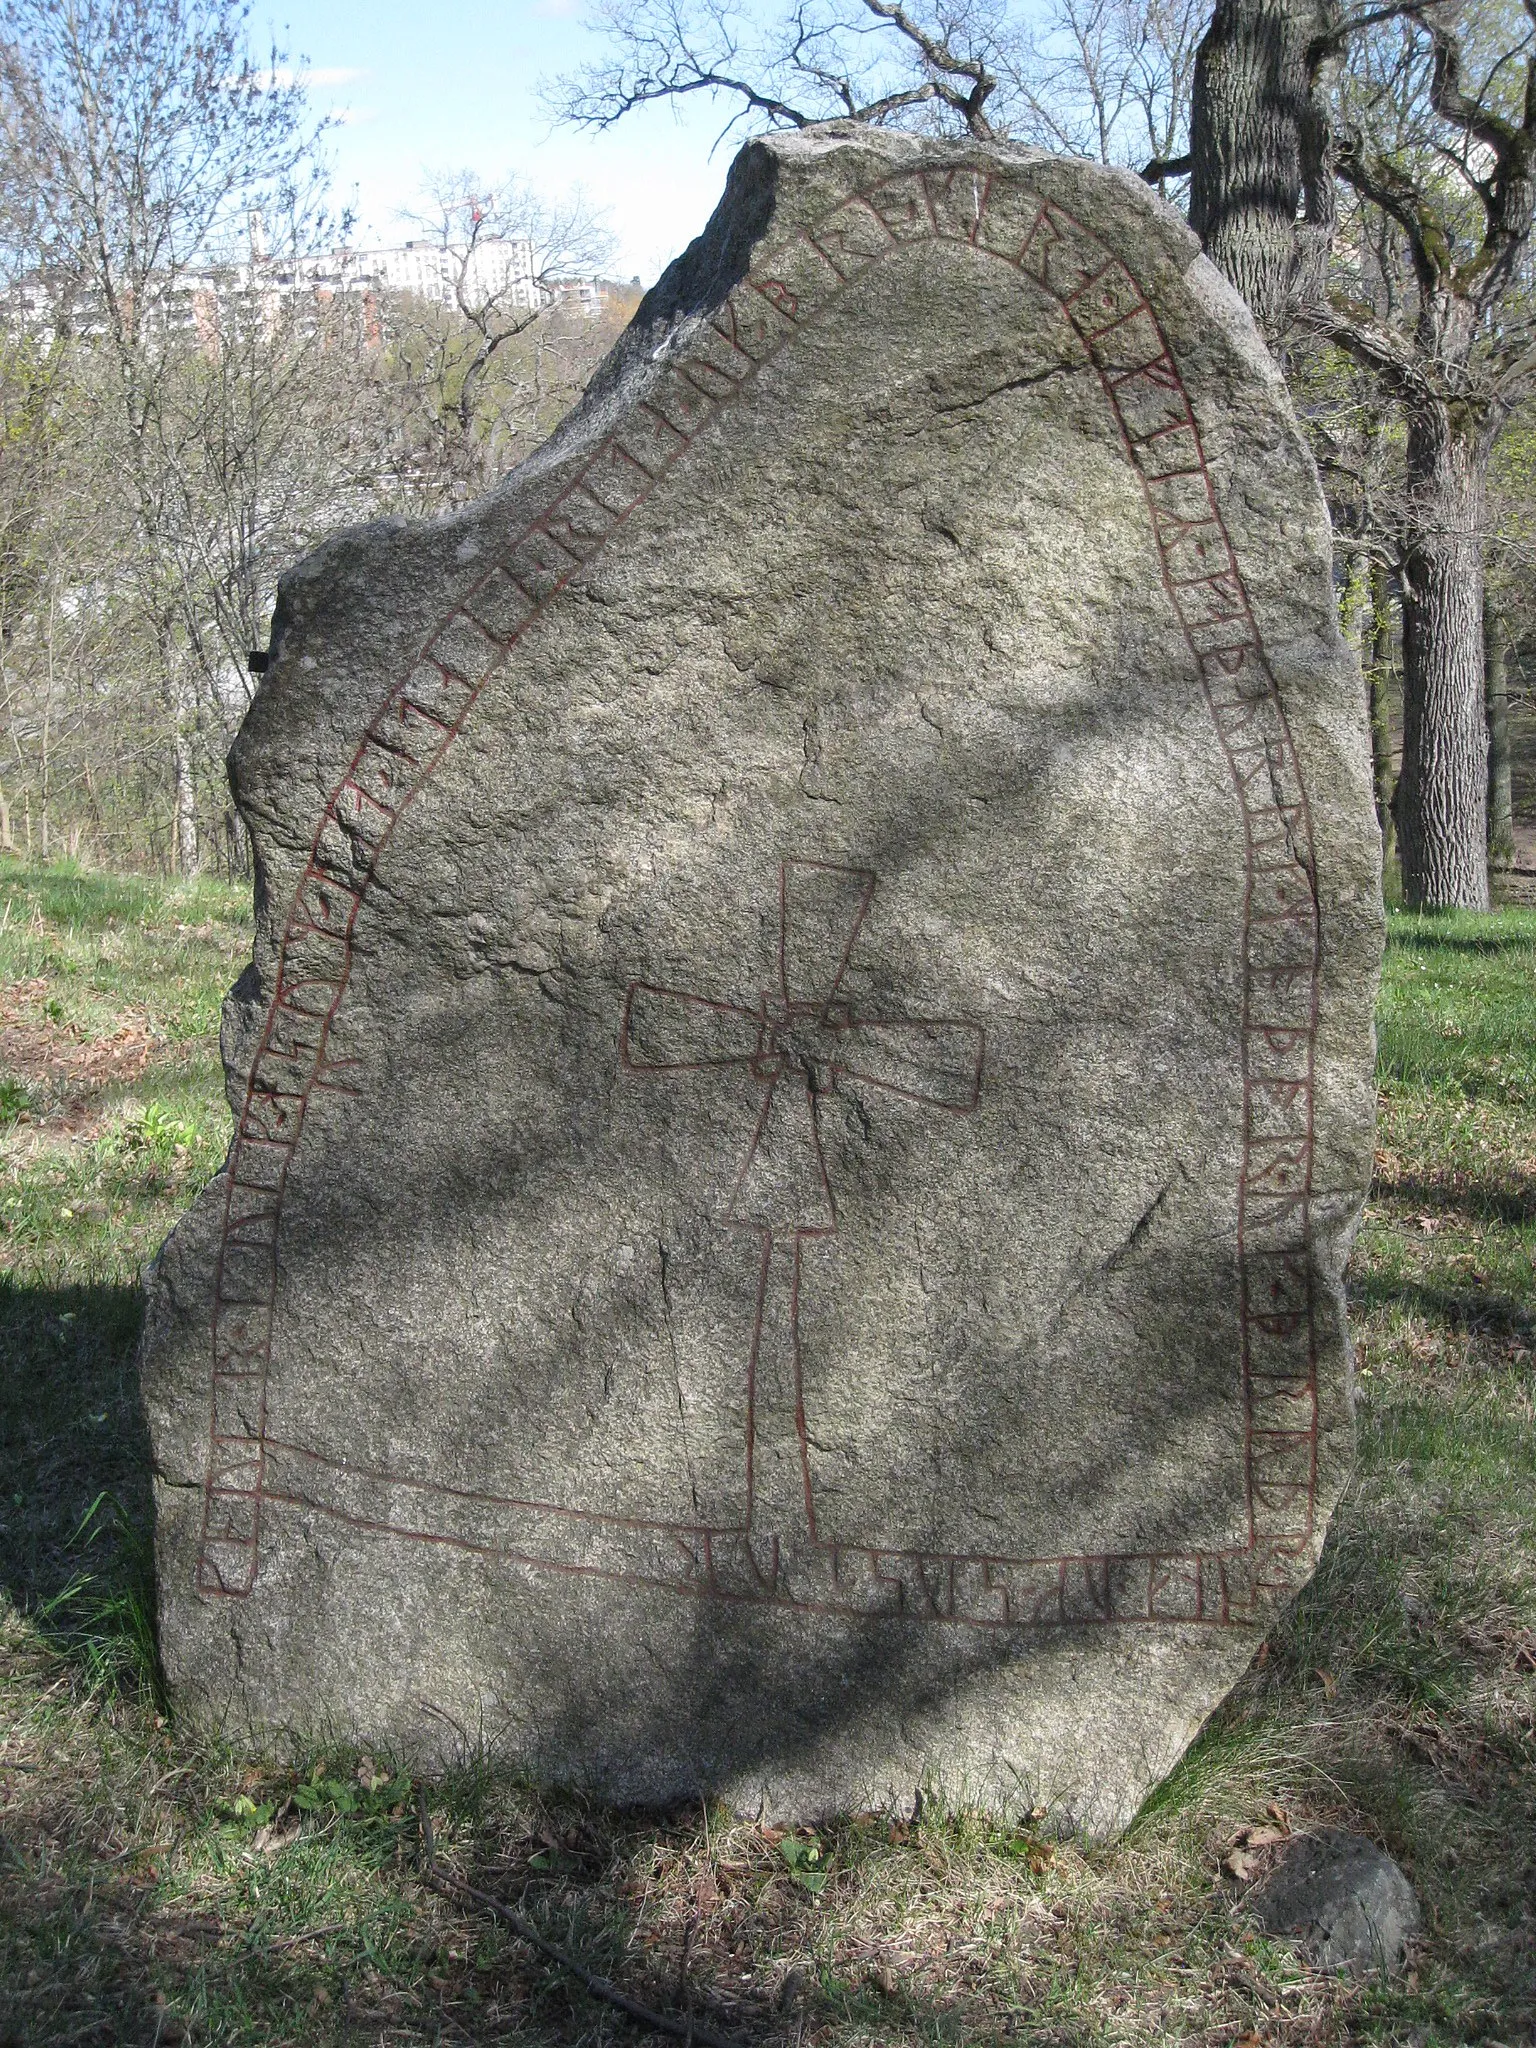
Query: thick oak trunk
<point x="1250" y="121"/>
<point x="1377" y="655"/>
<point x="1442" y="792"/>
<point x="1501" y="807"/>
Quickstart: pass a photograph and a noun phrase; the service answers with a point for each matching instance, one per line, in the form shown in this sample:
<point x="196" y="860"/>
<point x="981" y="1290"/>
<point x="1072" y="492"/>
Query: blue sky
<point x="452" y="85"/>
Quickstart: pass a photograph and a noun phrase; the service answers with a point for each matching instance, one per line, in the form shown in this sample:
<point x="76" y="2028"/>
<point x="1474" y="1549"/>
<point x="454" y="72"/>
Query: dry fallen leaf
<point x="1329" y="1683"/>
<point x="271" y="1838"/>
<point x="1261" y="1837"/>
<point x="1239" y="1863"/>
<point x="1279" y="1816"/>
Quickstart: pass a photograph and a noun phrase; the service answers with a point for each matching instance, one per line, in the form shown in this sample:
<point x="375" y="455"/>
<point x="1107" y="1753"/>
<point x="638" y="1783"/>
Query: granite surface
<point x="806" y="1077"/>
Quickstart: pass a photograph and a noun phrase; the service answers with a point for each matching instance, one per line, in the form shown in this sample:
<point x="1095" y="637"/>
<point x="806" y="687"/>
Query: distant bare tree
<point x="934" y="63"/>
<point x="71" y="710"/>
<point x="468" y="223"/>
<point x="183" y="413"/>
<point x="135" y="138"/>
<point x="1108" y="79"/>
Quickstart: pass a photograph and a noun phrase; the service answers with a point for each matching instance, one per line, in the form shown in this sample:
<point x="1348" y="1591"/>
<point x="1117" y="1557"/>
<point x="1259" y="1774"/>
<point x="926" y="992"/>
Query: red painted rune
<point x="799" y="1042"/>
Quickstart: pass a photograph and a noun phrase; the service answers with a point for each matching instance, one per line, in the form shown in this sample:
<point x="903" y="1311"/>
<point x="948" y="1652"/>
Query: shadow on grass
<point x="1455" y="1308"/>
<point x="1429" y="937"/>
<point x="336" y="1942"/>
<point x="75" y="1504"/>
<point x="1480" y="1200"/>
<point x="459" y="1980"/>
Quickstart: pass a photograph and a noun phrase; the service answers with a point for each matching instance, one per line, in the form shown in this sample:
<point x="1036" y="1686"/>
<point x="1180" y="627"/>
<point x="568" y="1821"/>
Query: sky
<point x="424" y="86"/>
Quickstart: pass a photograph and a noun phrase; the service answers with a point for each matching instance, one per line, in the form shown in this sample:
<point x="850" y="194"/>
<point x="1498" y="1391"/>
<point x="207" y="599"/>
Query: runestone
<point x="804" y="1084"/>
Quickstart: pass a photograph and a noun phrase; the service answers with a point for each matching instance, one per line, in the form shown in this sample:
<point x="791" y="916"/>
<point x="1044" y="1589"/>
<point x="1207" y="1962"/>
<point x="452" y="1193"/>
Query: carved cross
<point x="797" y="1042"/>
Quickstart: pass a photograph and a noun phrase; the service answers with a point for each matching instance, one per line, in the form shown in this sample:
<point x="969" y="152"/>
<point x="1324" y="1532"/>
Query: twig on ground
<point x="309" y="1934"/>
<point x="455" y="1890"/>
<point x="101" y="2026"/>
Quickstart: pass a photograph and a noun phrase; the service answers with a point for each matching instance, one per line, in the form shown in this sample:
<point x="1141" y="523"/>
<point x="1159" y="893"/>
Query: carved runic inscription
<point x="799" y="1041"/>
<point x="996" y="220"/>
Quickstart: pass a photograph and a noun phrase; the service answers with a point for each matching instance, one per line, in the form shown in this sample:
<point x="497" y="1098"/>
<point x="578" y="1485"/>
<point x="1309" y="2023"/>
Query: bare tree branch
<point x="1372" y="344"/>
<point x="946" y="64"/>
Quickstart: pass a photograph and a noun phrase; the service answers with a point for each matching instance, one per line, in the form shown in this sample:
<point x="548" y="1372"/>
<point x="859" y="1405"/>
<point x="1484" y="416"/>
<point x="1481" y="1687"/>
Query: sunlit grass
<point x="1457" y="1016"/>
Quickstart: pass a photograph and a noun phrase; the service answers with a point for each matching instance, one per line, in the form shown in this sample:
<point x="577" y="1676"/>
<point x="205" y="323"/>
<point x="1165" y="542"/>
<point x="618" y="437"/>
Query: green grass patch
<point x="112" y="1108"/>
<point x="1457" y="1016"/>
<point x="155" y="1886"/>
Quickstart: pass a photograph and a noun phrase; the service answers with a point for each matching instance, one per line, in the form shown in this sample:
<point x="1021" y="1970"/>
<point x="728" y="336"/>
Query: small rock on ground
<point x="1345" y="1899"/>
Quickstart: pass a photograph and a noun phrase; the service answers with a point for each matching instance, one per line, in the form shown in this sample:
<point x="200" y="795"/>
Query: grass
<point x="154" y="1888"/>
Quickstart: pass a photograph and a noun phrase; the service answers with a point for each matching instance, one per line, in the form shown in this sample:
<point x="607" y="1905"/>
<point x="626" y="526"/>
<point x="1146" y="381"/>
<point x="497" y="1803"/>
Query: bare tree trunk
<point x="1501" y="804"/>
<point x="1251" y="123"/>
<point x="46" y="790"/>
<point x="1442" y="793"/>
<point x="184" y="818"/>
<point x="1354" y="605"/>
<point x="239" y="845"/>
<point x="1379" y="677"/>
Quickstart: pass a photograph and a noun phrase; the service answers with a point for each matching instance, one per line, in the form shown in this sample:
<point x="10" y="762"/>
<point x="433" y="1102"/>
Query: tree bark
<point x="1251" y="121"/>
<point x="1442" y="792"/>
<point x="238" y="845"/>
<point x="1378" y="672"/>
<point x="184" y="817"/>
<point x="1501" y="805"/>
